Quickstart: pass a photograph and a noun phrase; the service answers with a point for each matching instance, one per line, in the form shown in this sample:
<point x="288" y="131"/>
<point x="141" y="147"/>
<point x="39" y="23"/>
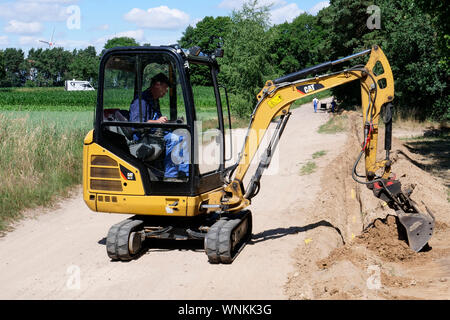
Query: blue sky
<point x="80" y="23"/>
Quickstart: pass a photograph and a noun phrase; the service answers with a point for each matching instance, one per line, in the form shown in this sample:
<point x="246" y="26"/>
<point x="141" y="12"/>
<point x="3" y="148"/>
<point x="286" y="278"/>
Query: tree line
<point x="412" y="33"/>
<point x="51" y="67"/>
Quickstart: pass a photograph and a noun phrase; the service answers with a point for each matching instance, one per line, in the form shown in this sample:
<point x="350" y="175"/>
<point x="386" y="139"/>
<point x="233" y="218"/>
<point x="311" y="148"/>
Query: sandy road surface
<point x="60" y="254"/>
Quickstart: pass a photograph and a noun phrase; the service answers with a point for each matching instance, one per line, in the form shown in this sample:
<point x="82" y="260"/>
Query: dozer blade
<point x="419" y="228"/>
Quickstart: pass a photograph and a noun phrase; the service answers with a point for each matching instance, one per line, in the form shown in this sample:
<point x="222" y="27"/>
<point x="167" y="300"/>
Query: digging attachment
<point x="418" y="226"/>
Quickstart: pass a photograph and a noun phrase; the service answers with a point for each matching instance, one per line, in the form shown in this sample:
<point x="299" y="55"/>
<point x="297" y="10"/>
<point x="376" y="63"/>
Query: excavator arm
<point x="377" y="94"/>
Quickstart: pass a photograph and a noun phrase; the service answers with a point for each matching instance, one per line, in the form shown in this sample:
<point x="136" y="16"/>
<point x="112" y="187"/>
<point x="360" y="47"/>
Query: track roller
<point x="227" y="237"/>
<point x="124" y="241"/>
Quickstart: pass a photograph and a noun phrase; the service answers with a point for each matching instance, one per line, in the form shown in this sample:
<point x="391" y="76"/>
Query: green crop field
<point x="57" y="99"/>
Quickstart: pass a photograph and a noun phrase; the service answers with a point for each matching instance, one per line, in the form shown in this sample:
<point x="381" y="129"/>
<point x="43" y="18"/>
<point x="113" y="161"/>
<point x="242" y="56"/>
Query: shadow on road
<point x="161" y="245"/>
<point x="282" y="232"/>
<point x="154" y="245"/>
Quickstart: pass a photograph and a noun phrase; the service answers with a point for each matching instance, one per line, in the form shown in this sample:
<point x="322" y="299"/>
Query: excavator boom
<point x="377" y="92"/>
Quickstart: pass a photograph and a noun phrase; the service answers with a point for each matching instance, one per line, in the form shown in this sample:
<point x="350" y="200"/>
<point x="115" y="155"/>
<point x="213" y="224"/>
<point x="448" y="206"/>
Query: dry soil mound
<point x="372" y="260"/>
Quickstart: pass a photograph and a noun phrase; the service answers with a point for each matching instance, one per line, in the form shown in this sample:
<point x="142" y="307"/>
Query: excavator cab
<point x="162" y="155"/>
<point x="163" y="173"/>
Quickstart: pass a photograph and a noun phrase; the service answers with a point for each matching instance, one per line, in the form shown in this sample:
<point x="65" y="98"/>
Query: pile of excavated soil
<point x="372" y="260"/>
<point x="383" y="239"/>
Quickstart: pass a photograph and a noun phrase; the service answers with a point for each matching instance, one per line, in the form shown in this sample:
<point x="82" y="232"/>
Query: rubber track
<point x="225" y="252"/>
<point x="118" y="235"/>
<point x="111" y="239"/>
<point x="212" y="241"/>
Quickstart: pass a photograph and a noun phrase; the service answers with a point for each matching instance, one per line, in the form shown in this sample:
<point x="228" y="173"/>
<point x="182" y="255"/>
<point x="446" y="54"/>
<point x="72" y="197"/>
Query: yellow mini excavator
<point x="128" y="166"/>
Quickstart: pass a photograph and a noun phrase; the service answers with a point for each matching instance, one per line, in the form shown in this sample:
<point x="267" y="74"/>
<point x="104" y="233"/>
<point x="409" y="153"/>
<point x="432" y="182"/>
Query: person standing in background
<point x="333" y="105"/>
<point x="315" y="102"/>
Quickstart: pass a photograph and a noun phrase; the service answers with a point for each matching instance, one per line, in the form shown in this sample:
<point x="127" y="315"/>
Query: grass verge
<point x="39" y="159"/>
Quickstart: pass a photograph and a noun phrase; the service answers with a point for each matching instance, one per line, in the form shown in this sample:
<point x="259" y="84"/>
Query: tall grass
<point x="40" y="158"/>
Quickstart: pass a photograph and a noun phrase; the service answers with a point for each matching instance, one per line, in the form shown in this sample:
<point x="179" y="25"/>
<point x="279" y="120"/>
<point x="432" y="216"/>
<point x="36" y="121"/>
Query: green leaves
<point x="121" y="42"/>
<point x="409" y="39"/>
<point x="246" y="66"/>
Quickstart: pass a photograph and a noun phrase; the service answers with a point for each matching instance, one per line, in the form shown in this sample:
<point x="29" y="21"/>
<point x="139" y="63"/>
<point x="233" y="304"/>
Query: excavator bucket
<point x="418" y="226"/>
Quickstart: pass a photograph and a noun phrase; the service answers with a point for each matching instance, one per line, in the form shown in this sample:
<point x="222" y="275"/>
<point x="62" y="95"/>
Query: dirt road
<point x="309" y="241"/>
<point x="60" y="253"/>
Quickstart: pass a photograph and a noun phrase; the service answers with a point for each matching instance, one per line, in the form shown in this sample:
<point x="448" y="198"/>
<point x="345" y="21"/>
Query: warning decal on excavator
<point x="275" y="100"/>
<point x="309" y="88"/>
<point x="127" y="174"/>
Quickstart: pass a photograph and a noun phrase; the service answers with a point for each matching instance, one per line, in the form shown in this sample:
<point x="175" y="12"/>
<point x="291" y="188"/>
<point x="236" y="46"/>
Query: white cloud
<point x="20" y="27"/>
<point x="280" y="10"/>
<point x="4" y="41"/>
<point x="28" y="41"/>
<point x="285" y="13"/>
<point x="36" y="10"/>
<point x="237" y="4"/>
<point x="73" y="44"/>
<point x="158" y="18"/>
<point x="319" y="6"/>
<point x="138" y="35"/>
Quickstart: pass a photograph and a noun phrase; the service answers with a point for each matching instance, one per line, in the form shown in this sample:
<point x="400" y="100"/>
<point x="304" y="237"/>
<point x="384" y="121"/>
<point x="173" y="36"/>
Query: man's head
<point x="159" y="85"/>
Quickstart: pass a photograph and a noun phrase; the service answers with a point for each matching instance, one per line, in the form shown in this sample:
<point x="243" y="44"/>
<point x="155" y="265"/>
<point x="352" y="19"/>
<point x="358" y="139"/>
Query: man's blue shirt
<point x="175" y="145"/>
<point x="150" y="108"/>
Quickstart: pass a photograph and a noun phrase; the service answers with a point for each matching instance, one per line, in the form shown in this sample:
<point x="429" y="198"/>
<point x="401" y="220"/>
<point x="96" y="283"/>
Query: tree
<point x="207" y="34"/>
<point x="120" y="42"/>
<point x="439" y="11"/>
<point x="85" y="65"/>
<point x="406" y="38"/>
<point x="12" y="60"/>
<point x="2" y="67"/>
<point x="246" y="64"/>
<point x="298" y="45"/>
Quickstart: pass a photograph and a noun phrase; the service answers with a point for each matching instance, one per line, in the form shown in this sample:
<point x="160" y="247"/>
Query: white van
<point x="76" y="85"/>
